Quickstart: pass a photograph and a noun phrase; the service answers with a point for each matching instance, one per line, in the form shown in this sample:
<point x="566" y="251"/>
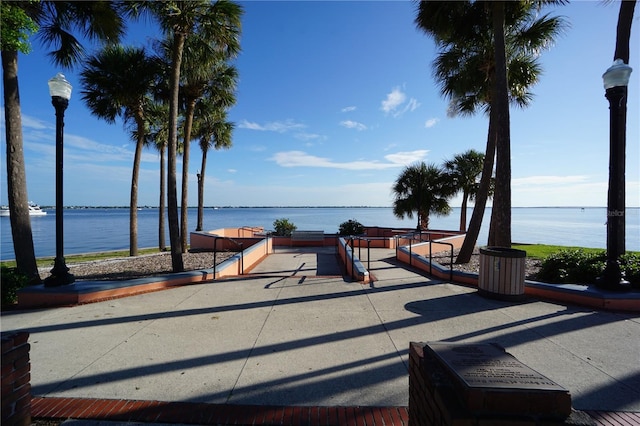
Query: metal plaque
<point x="489" y="366"/>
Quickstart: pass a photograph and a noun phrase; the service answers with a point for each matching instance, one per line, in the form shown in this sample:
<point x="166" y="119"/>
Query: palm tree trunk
<point x="177" y="262"/>
<point x="623" y="30"/>
<point x="161" y="217"/>
<point x="133" y="203"/>
<point x="500" y="229"/>
<point x="464" y="256"/>
<point x="16" y="176"/>
<point x="463" y="212"/>
<point x="184" y="207"/>
<point x="201" y="191"/>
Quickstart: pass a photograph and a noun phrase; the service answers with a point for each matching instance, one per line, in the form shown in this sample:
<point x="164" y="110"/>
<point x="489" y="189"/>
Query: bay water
<point x="104" y="229"/>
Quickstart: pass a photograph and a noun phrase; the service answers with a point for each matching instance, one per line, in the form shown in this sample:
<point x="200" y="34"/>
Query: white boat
<point x="34" y="210"/>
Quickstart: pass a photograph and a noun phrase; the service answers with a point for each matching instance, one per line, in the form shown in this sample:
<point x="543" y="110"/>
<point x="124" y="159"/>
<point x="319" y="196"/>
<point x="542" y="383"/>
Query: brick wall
<point x="16" y="374"/>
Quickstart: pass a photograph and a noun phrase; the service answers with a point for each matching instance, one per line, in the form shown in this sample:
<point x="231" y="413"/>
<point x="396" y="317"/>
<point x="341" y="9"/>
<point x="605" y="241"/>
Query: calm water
<point x="89" y="230"/>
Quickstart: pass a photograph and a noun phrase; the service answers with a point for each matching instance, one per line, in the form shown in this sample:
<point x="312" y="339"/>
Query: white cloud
<point x="394" y="100"/>
<point x="407" y="157"/>
<point x="431" y="122"/>
<point x="302" y="159"/>
<point x="273" y="126"/>
<point x="349" y="124"/>
<point x="307" y="137"/>
<point x="348" y="109"/>
<point x="231" y="170"/>
<point x="395" y="105"/>
<point x="34" y="123"/>
<point x="412" y="105"/>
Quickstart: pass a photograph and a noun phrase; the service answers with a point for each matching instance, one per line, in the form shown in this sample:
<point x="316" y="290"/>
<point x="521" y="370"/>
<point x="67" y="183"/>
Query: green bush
<point x="283" y="227"/>
<point x="630" y="265"/>
<point x="351" y="227"/>
<point x="578" y="266"/>
<point x="12" y="281"/>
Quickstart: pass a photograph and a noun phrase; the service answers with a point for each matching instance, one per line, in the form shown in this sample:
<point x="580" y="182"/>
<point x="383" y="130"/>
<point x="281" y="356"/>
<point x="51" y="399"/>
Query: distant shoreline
<point x="314" y="207"/>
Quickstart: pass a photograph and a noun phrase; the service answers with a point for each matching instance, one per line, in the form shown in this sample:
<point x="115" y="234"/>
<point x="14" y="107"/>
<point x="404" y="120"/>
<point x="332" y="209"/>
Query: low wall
<point x="373" y="242"/>
<point x="330" y="240"/>
<point x="354" y="268"/>
<point x="223" y="239"/>
<point x="16" y="376"/>
<point x="443" y="243"/>
<point x="381" y="231"/>
<point x="243" y="262"/>
<point x="582" y="295"/>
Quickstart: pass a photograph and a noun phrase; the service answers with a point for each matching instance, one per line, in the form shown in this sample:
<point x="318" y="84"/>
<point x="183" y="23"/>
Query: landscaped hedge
<point x="12" y="281"/>
<point x="576" y="266"/>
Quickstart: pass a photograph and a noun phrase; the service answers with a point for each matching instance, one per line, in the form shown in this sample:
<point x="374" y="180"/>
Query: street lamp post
<point x="60" y="91"/>
<point x="616" y="80"/>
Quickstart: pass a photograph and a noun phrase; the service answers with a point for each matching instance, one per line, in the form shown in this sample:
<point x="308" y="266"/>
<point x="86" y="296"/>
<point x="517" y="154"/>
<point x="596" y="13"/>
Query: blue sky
<point x="334" y="99"/>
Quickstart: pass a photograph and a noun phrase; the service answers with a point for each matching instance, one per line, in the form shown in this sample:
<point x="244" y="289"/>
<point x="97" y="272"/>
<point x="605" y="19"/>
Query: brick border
<point x="213" y="414"/>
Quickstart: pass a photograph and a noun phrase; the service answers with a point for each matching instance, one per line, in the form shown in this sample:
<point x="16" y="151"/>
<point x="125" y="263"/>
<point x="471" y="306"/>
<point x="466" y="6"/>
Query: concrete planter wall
<point x="502" y="272"/>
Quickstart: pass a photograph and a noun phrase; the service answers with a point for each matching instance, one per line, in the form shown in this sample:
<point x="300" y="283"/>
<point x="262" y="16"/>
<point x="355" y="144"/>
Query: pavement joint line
<point x="253" y="346"/>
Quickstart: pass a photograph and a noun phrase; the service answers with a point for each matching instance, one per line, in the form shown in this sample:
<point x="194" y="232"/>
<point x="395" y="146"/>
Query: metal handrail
<point x="411" y="238"/>
<point x="215" y="252"/>
<point x="368" y="240"/>
<point x="450" y="259"/>
<point x="253" y="229"/>
<point x="352" y="258"/>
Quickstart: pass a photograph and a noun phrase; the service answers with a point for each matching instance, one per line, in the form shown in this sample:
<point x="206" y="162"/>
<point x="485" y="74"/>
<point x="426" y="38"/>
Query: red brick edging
<point x="213" y="414"/>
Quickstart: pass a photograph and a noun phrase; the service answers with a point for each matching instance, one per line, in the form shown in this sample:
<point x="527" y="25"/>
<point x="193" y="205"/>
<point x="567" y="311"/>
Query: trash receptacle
<point x="502" y="272"/>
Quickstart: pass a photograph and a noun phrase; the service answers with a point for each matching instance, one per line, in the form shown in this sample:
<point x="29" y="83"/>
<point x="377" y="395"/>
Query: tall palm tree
<point x="201" y="76"/>
<point x="466" y="70"/>
<point x="55" y="22"/>
<point x="116" y="82"/>
<point x="219" y="22"/>
<point x="213" y="131"/>
<point x="212" y="128"/>
<point x="463" y="171"/>
<point x="423" y="189"/>
<point x="156" y="131"/>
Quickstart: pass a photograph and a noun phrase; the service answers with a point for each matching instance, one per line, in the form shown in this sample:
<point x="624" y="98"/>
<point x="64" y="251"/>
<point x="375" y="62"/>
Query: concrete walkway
<point x="293" y="332"/>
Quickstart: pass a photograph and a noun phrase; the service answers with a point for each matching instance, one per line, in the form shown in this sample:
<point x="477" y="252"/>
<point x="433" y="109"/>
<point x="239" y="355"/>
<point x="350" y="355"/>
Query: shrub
<point x="572" y="266"/>
<point x="580" y="267"/>
<point x="283" y="227"/>
<point x="12" y="281"/>
<point x="630" y="265"/>
<point x="351" y="227"/>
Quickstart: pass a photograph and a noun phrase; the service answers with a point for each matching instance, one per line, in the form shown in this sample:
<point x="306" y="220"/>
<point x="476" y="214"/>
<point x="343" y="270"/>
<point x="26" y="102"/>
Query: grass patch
<point x="540" y="251"/>
<point x="79" y="258"/>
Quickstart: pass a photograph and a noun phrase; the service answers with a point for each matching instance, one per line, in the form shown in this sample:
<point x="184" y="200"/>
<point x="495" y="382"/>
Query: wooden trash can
<point x="502" y="272"/>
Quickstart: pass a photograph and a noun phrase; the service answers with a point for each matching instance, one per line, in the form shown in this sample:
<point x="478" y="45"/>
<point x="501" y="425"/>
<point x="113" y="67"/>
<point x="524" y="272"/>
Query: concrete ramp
<point x="300" y="261"/>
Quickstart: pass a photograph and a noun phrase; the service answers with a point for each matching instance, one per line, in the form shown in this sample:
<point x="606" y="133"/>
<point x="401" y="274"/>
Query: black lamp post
<point x="60" y="91"/>
<point x="616" y="80"/>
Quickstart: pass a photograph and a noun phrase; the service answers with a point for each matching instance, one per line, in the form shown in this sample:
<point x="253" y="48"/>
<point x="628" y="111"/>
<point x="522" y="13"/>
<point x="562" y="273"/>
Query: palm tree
<point x="201" y="76"/>
<point x="423" y="189"/>
<point x="54" y="21"/>
<point x="466" y="70"/>
<point x="116" y="82"/>
<point x="463" y="171"/>
<point x="219" y="22"/>
<point x="213" y="131"/>
<point x="155" y="133"/>
<point x="212" y="128"/>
